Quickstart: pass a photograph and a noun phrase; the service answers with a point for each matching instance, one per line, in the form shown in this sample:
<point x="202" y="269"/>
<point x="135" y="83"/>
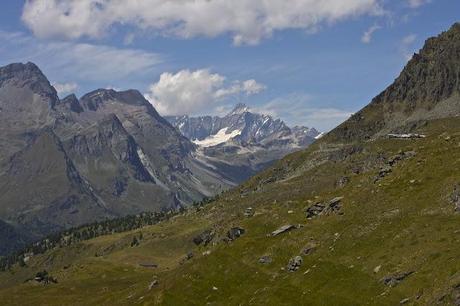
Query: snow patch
<point x="319" y="135"/>
<point x="218" y="138"/>
<point x="146" y="163"/>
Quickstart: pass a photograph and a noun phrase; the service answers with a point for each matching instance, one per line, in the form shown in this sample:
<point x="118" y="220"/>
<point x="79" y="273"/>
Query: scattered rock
<point x="206" y="253"/>
<point x="395" y="279"/>
<point x="235" y="232"/>
<point x="342" y="181"/>
<point x="294" y="264"/>
<point x="45" y="278"/>
<point x="249" y="212"/>
<point x="309" y="248"/>
<point x="384" y="171"/>
<point x="283" y="229"/>
<point x="315" y="210"/>
<point x="333" y="206"/>
<point x="400" y="156"/>
<point x="189" y="255"/>
<point x="215" y="288"/>
<point x="154" y="283"/>
<point x="266" y="259"/>
<point x="377" y="269"/>
<point x="404" y="301"/>
<point x="148" y="265"/>
<point x="205" y="237"/>
<point x="455" y="197"/>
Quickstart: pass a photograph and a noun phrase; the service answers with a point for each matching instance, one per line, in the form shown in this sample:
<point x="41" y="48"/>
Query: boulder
<point x="309" y="248"/>
<point x="204" y="238"/>
<point x="455" y="197"/>
<point x="154" y="283"/>
<point x="294" y="263"/>
<point x="266" y="259"/>
<point x="333" y="206"/>
<point x="395" y="279"/>
<point x="283" y="229"/>
<point x="315" y="210"/>
<point x="404" y="301"/>
<point x="249" y="212"/>
<point x="235" y="232"/>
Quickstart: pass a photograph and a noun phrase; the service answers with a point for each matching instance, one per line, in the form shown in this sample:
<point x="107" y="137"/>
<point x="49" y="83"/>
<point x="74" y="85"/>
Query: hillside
<point x="363" y="219"/>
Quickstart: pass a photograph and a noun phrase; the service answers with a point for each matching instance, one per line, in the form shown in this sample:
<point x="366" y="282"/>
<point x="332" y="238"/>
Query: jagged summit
<point x="239" y="109"/>
<point x="72" y="103"/>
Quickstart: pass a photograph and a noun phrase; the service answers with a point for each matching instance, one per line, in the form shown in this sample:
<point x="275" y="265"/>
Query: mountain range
<point x="242" y="142"/>
<point x="66" y="162"/>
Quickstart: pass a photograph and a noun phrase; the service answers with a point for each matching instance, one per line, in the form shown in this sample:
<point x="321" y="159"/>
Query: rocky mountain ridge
<point x="248" y="128"/>
<point x="242" y="142"/>
<point x="70" y="161"/>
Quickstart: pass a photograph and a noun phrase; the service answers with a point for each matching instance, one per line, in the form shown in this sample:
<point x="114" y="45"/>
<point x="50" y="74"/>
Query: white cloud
<point x="248" y="21"/>
<point x="191" y="92"/>
<point x="65" y="88"/>
<point x="299" y="109"/>
<point x="417" y="3"/>
<point x="80" y="62"/>
<point x="367" y="36"/>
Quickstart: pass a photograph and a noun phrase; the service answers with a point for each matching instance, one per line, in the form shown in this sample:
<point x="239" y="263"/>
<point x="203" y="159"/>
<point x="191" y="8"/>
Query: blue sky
<point x="309" y="62"/>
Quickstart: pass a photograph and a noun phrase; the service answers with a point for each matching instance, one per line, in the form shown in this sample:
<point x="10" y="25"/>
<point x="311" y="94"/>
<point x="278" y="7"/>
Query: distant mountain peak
<point x="239" y="109"/>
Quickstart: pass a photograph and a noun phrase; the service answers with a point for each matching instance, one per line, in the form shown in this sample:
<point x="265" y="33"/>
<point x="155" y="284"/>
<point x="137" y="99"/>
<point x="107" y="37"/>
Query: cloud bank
<point x="192" y="92"/>
<point x="247" y="21"/>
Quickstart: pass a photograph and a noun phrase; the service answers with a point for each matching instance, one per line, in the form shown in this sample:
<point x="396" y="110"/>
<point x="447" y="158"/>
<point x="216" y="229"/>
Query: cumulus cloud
<point x="191" y="92"/>
<point x="65" y="88"/>
<point x="367" y="36"/>
<point x="300" y="109"/>
<point x="247" y="21"/>
<point x="81" y="62"/>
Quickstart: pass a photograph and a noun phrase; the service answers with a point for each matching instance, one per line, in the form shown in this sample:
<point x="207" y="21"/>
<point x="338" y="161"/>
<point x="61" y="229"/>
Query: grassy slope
<point x="403" y="222"/>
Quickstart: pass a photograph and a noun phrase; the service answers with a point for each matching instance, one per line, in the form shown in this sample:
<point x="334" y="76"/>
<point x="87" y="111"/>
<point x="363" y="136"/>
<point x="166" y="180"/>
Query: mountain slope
<point x="374" y="222"/>
<point x="72" y="161"/>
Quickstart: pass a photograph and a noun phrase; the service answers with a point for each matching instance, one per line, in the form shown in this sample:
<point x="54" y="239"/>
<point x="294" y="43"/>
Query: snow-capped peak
<point x="239" y="109"/>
